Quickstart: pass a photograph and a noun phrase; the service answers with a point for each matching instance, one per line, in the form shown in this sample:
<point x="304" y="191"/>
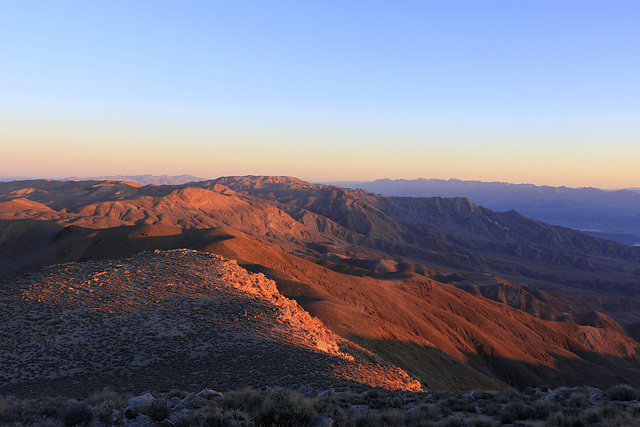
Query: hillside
<point x="164" y="320"/>
<point x="530" y="310"/>
<point x="456" y="234"/>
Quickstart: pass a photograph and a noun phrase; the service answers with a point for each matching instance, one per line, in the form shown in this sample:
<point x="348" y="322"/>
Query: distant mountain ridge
<point x="608" y="214"/>
<point x="144" y="179"/>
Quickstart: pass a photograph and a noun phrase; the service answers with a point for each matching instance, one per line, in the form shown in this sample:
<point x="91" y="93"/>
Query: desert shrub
<point x="559" y="419"/>
<point x="491" y="409"/>
<point x="541" y="409"/>
<point x="438" y="395"/>
<point x="382" y="399"/>
<point x="339" y="412"/>
<point x="52" y="407"/>
<point x="592" y="417"/>
<point x="373" y="394"/>
<point x="20" y="412"/>
<point x="285" y="407"/>
<point x="78" y="414"/>
<point x="561" y="394"/>
<point x="392" y="417"/>
<point x="509" y="396"/>
<point x="246" y="399"/>
<point x="609" y="411"/>
<point x="460" y="404"/>
<point x="484" y="395"/>
<point x="622" y="420"/>
<point x="414" y="417"/>
<point x="515" y="411"/>
<point x="106" y="394"/>
<point x="351" y="398"/>
<point x="393" y="401"/>
<point x="482" y="421"/>
<point x="368" y="419"/>
<point x="104" y="411"/>
<point x="578" y="400"/>
<point x="445" y="410"/>
<point x="214" y="417"/>
<point x="6" y="411"/>
<point x="622" y="392"/>
<point x="159" y="410"/>
<point x="457" y="421"/>
<point x="430" y="412"/>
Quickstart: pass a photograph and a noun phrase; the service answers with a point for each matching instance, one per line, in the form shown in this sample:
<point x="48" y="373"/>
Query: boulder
<point x="322" y="421"/>
<point x="140" y="402"/>
<point x="197" y="400"/>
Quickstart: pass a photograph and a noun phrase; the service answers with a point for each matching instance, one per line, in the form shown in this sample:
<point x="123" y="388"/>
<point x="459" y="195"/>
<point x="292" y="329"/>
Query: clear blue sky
<point x="546" y="92"/>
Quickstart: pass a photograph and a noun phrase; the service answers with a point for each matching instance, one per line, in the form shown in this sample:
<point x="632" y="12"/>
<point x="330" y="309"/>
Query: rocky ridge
<point x="168" y="319"/>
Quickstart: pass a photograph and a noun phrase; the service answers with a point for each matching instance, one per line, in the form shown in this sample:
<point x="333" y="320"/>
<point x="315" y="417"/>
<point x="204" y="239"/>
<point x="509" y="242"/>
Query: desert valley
<point x="277" y="285"/>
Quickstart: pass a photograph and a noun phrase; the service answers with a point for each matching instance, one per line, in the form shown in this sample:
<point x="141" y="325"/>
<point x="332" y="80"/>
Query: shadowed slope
<point x="386" y="316"/>
<point x="455" y="234"/>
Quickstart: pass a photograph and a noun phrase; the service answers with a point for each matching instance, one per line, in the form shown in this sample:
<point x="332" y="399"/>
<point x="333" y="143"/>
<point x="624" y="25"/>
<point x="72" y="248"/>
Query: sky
<point x="527" y="91"/>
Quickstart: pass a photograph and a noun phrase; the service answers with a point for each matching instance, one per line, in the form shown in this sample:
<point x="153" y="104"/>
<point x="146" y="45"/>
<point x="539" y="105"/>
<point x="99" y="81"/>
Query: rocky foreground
<point x="305" y="406"/>
<point x="176" y="319"/>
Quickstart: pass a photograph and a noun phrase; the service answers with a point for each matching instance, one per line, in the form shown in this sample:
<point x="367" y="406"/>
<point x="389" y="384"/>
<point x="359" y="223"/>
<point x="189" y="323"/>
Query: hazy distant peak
<point x="248" y="182"/>
<point x="146" y="179"/>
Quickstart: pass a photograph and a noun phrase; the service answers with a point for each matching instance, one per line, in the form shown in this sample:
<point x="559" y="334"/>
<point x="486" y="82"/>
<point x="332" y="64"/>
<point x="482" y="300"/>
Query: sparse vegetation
<point x="562" y="407"/>
<point x="78" y="414"/>
<point x="623" y="392"/>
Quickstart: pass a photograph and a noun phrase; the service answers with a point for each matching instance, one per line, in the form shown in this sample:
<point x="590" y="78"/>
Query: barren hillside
<point x="167" y="320"/>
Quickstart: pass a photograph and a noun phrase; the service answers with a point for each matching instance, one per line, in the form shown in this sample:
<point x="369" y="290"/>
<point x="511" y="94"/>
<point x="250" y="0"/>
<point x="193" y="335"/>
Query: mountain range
<point x="608" y="214"/>
<point x="454" y="294"/>
<point x="146" y="179"/>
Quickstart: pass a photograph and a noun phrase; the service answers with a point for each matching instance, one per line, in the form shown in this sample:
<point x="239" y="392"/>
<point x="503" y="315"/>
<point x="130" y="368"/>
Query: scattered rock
<point x="322" y="421"/>
<point x="197" y="400"/>
<point x="329" y="392"/>
<point x="140" y="402"/>
<point x="306" y="390"/>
